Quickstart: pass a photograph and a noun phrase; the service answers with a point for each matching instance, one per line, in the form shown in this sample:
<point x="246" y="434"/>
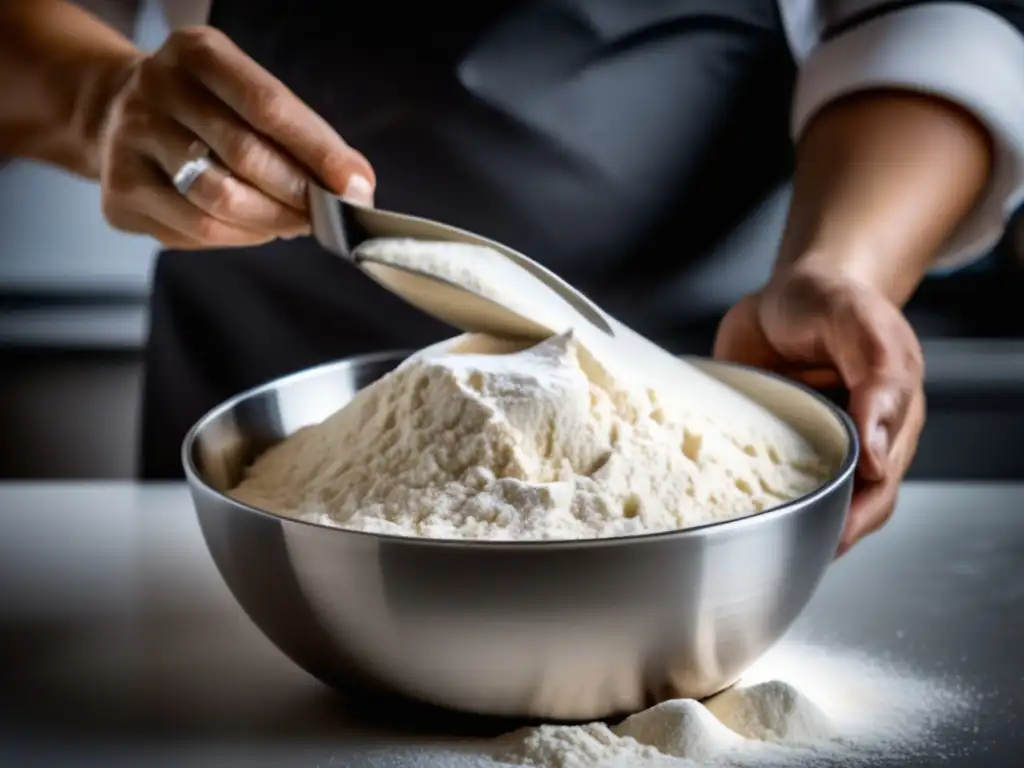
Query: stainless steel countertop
<point x="119" y="645"/>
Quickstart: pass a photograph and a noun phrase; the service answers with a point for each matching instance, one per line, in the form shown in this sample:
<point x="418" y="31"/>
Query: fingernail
<point x="359" y="190"/>
<point x="879" y="443"/>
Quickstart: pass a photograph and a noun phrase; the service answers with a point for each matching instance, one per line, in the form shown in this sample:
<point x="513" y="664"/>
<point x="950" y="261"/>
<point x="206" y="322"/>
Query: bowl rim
<point x="719" y="527"/>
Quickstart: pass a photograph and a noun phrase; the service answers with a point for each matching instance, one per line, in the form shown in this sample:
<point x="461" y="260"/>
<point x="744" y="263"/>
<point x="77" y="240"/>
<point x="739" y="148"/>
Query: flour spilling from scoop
<point x="517" y="302"/>
<point x="574" y="437"/>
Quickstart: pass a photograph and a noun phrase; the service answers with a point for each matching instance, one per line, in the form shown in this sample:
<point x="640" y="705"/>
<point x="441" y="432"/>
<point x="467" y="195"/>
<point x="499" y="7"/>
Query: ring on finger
<point x="198" y="163"/>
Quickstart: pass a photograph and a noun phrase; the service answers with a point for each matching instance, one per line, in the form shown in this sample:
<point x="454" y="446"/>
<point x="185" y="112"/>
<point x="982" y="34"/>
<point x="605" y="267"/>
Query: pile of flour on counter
<point x="488" y="441"/>
<point x="800" y="705"/>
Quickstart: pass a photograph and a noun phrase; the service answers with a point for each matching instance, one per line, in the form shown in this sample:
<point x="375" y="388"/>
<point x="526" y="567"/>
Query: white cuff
<point x="955" y="51"/>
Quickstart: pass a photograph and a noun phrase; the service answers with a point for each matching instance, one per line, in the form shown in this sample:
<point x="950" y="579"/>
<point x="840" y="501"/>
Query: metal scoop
<point x="341" y="227"/>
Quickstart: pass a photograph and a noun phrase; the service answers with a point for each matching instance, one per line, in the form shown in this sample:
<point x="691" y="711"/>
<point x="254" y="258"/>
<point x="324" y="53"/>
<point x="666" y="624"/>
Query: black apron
<point x="617" y="142"/>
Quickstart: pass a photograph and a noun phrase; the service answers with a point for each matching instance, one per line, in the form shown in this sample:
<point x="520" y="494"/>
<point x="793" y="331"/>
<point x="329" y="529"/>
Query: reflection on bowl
<point x="571" y="630"/>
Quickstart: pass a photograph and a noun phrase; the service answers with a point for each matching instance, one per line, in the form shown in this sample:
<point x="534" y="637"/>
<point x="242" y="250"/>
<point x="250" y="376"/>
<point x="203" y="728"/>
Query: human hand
<point x="827" y="330"/>
<point x="199" y="92"/>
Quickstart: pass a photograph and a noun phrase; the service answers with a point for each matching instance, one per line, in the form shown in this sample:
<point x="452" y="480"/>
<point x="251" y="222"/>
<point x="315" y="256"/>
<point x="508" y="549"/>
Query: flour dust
<point x="799" y="705"/>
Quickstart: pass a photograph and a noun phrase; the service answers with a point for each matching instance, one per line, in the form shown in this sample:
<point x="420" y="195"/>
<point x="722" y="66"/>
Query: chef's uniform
<point x="639" y="149"/>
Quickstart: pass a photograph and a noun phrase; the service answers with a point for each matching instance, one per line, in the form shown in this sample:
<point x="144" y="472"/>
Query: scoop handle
<point x="334" y="223"/>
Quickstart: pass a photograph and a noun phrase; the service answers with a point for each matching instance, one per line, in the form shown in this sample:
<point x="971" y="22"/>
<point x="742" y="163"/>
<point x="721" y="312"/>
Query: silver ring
<point x="199" y="162"/>
<point x="189" y="172"/>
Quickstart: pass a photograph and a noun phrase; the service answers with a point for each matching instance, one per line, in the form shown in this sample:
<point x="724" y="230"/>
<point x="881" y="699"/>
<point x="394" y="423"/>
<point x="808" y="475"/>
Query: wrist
<point x="883" y="180"/>
<point x="870" y="267"/>
<point x="861" y="267"/>
<point x="99" y="89"/>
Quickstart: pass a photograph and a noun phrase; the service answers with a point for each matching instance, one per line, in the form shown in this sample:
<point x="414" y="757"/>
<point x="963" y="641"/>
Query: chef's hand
<point x="199" y="92"/>
<point x="829" y="331"/>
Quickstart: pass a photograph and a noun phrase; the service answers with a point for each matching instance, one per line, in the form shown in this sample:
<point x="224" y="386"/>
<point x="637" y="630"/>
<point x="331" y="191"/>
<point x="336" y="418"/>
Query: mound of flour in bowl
<point x="483" y="441"/>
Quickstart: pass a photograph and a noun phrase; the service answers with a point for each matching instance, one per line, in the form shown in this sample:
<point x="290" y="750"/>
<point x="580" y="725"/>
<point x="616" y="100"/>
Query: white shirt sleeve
<point x="955" y="50"/>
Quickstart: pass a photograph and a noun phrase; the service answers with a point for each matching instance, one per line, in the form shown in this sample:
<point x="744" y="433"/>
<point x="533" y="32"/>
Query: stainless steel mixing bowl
<point x="556" y="630"/>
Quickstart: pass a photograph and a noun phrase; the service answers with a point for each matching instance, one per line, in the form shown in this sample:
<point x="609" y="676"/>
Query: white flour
<point x="543" y="443"/>
<point x="458" y="263"/>
<point x="479" y="269"/>
<point x="578" y="746"/>
<point x="681" y="728"/>
<point x="814" y="707"/>
<point x="820" y="708"/>
<point x="772" y="711"/>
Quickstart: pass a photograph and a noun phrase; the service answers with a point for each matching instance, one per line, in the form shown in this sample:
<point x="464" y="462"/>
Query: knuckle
<point x="112" y="212"/>
<point x="208" y="230"/>
<point x="268" y="104"/>
<point x="136" y="118"/>
<point x="147" y="77"/>
<point x="117" y="185"/>
<point x="914" y="360"/>
<point x="886" y="514"/>
<point x="246" y="153"/>
<point x="225" y="199"/>
<point x="331" y="166"/>
<point x="194" y="47"/>
<point x="115" y="213"/>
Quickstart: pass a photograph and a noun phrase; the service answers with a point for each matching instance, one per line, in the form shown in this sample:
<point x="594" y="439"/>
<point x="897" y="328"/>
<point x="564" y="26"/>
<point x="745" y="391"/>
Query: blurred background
<point x="73" y="295"/>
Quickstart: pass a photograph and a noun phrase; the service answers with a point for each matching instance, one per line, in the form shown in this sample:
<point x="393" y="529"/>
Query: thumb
<point x="359" y="190"/>
<point x="740" y="338"/>
<point x="350" y="176"/>
<point x="871" y="363"/>
<point x="875" y="408"/>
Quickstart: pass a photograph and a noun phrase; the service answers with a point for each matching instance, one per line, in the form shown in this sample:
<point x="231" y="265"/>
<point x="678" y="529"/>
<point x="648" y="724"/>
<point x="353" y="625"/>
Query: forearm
<point x="59" y="68"/>
<point x="882" y="180"/>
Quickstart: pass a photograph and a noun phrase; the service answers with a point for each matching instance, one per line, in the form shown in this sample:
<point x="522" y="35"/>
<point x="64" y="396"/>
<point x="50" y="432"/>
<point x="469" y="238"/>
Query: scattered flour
<point x="484" y="439"/>
<point x="817" y="707"/>
<point x="480" y="442"/>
